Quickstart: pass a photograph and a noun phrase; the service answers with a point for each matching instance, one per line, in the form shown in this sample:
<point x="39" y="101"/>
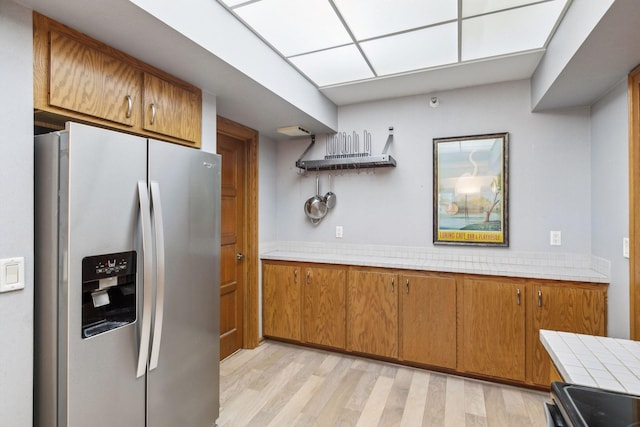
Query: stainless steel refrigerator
<point x="127" y="281"/>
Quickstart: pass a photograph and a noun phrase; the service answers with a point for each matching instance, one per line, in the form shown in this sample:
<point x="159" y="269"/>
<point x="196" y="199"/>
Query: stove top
<point x="593" y="407"/>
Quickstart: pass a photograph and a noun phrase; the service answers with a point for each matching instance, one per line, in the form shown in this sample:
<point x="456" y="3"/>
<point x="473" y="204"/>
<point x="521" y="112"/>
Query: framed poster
<point x="470" y="190"/>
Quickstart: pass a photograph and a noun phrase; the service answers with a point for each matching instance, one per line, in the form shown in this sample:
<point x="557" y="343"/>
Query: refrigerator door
<point x="183" y="377"/>
<point x="104" y="167"/>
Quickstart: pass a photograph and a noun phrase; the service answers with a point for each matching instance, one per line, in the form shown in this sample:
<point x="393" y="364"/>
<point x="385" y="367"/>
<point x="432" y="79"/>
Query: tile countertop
<point x="568" y="267"/>
<point x="603" y="362"/>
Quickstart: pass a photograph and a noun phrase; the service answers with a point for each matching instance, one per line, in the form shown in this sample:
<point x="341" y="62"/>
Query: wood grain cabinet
<point x="372" y="312"/>
<point x="281" y="301"/>
<point x="492" y="329"/>
<point x="324" y="308"/>
<point x="79" y="78"/>
<point x="428" y="319"/>
<point x="483" y="326"/>
<point x="171" y="110"/>
<point x="304" y="303"/>
<point x="568" y="307"/>
<point x="89" y="81"/>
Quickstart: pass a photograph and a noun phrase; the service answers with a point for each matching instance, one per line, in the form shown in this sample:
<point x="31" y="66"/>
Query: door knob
<point x="239" y="256"/>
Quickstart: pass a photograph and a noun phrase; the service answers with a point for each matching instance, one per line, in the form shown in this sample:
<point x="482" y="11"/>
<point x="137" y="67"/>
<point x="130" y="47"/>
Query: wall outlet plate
<point x="338" y="232"/>
<point x="11" y="274"/>
<point x="555" y="238"/>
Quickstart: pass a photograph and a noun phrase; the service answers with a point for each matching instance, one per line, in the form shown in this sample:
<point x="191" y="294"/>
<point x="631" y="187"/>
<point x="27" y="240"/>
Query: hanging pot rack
<point x="348" y="161"/>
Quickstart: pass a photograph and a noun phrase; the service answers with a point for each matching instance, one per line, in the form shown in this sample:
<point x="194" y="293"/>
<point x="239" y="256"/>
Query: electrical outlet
<point x="338" y="232"/>
<point x="555" y="238"/>
<point x="625" y="247"/>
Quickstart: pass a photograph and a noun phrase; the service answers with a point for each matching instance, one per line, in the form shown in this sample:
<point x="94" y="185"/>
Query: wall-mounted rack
<point x="348" y="157"/>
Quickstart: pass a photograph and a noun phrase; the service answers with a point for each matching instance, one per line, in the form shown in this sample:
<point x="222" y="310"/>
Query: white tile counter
<point x="488" y="261"/>
<point x="608" y="363"/>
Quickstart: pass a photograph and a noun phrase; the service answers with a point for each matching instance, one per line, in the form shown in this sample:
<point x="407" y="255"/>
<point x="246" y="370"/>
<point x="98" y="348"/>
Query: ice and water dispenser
<point x="108" y="292"/>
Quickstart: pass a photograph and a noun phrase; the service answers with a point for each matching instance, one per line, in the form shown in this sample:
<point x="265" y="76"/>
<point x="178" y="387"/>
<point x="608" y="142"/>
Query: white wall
<point x="16" y="212"/>
<point x="610" y="196"/>
<point x="549" y="179"/>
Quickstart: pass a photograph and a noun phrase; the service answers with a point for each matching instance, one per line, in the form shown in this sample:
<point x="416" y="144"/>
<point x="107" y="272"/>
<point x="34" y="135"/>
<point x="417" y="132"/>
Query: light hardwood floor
<point x="284" y="385"/>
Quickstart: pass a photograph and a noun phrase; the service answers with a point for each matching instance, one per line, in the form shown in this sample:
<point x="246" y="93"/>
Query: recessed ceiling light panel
<point x="333" y="66"/>
<point x="510" y="31"/>
<point x="429" y="47"/>
<point x="373" y="18"/>
<point x="294" y="26"/>
<point x="475" y="7"/>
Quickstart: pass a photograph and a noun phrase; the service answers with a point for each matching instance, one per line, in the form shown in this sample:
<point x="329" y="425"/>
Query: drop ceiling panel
<point x="429" y="47"/>
<point x="333" y="66"/>
<point x="395" y="37"/>
<point x="293" y="27"/>
<point x="514" y="30"/>
<point x="373" y="18"/>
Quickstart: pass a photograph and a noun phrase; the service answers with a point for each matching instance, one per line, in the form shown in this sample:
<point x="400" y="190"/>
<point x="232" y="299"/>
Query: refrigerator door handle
<point x="147" y="253"/>
<point x="156" y="209"/>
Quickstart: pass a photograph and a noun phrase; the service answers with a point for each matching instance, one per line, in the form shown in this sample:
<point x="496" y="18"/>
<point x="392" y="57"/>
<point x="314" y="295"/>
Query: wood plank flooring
<point x="282" y="385"/>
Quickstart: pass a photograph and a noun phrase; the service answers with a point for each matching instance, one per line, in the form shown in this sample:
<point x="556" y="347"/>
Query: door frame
<point x="235" y="130"/>
<point x="634" y="203"/>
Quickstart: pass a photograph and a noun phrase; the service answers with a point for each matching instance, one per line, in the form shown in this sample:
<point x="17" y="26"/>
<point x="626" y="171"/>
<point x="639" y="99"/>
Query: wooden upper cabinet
<point x="324" y="310"/>
<point x="493" y="328"/>
<point x="79" y="78"/>
<point x="568" y="307"/>
<point x="282" y="304"/>
<point x="428" y="319"/>
<point x="372" y="313"/>
<point x="171" y="110"/>
<point x="86" y="80"/>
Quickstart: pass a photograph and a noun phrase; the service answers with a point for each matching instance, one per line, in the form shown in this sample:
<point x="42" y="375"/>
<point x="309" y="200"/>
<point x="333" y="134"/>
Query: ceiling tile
<point x="294" y="26"/>
<point x="373" y="18"/>
<point x="333" y="66"/>
<point x="414" y="50"/>
<point x="479" y="7"/>
<point x="514" y="30"/>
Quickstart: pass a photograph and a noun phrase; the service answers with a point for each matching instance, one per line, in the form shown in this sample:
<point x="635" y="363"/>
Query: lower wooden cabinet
<point x="568" y="307"/>
<point x="281" y="301"/>
<point x="372" y="313"/>
<point x="324" y="313"/>
<point x="428" y="319"/>
<point x="484" y="326"/>
<point x="492" y="323"/>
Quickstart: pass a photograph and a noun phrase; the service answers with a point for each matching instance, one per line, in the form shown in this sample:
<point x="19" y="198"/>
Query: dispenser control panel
<point x="102" y="266"/>
<point x="108" y="292"/>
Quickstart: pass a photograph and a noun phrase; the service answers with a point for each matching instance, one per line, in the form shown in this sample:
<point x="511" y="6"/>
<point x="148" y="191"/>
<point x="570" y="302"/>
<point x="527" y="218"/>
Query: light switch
<point x="11" y="274"/>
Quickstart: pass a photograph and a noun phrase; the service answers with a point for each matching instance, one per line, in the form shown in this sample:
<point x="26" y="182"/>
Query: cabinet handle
<point x="539" y="298"/>
<point x="295" y="276"/>
<point x="129" y="106"/>
<point x="308" y="277"/>
<point x="153" y="113"/>
<point x="407" y="285"/>
<point x="518" y="296"/>
<point x="393" y="284"/>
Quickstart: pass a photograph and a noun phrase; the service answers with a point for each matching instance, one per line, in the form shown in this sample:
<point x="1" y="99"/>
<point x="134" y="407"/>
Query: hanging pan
<point x="315" y="207"/>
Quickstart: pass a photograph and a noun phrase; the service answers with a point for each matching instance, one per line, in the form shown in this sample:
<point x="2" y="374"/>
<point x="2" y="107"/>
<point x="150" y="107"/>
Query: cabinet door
<point x="563" y="308"/>
<point x="493" y="328"/>
<point x="88" y="81"/>
<point x="281" y="301"/>
<point x="372" y="313"/>
<point x="324" y="313"/>
<point x="171" y="110"/>
<point x="428" y="319"/>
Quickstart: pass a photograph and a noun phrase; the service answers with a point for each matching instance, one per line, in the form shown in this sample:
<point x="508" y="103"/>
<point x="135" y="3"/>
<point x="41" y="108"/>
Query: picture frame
<point x="470" y="190"/>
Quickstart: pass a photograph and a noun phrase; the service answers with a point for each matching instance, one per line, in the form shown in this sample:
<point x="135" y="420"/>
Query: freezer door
<point x="183" y="377"/>
<point x="104" y="168"/>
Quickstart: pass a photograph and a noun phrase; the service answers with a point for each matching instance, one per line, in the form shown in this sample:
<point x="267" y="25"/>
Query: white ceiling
<point x="335" y="43"/>
<point x="606" y="57"/>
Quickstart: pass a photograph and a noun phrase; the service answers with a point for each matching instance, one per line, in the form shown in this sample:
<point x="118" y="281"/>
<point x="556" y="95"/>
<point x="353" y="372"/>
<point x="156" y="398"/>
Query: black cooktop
<point x="593" y="407"/>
